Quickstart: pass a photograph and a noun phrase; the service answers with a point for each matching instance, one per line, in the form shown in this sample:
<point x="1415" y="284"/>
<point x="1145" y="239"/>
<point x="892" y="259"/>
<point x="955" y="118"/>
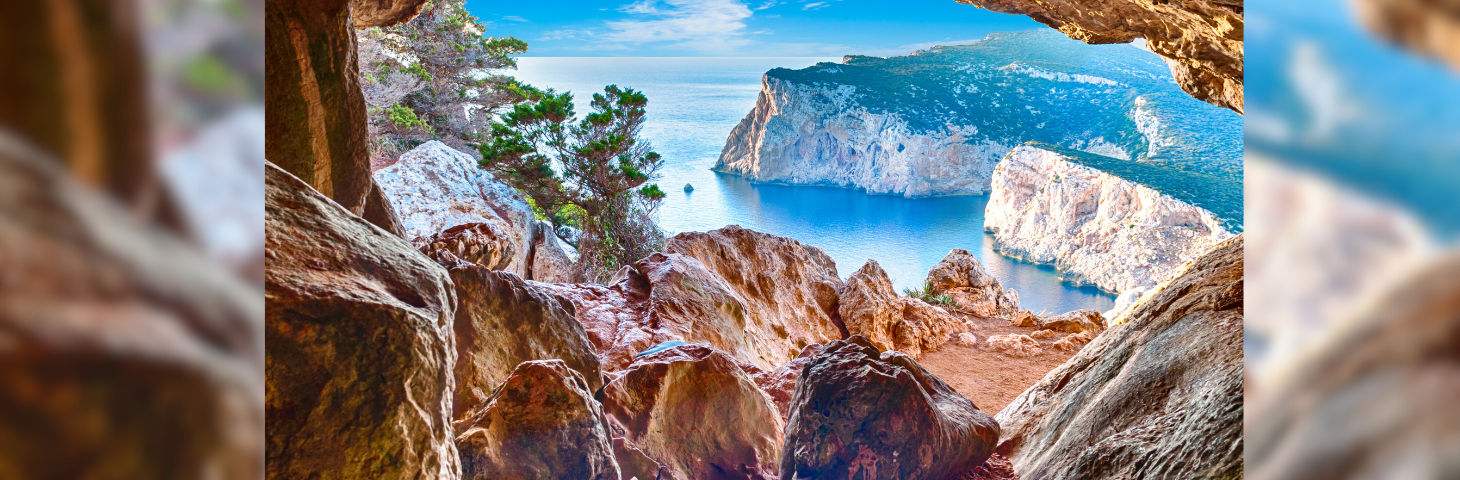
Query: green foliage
<point x="602" y="186"/>
<point x="930" y="295"/>
<point x="404" y="117"/>
<point x="444" y="67"/>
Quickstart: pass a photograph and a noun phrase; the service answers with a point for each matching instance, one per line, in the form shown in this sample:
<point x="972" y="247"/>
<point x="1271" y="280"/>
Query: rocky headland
<point x="937" y="121"/>
<point x="1118" y="225"/>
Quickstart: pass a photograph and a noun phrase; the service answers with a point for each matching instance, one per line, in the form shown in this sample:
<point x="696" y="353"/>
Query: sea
<point x="695" y="102"/>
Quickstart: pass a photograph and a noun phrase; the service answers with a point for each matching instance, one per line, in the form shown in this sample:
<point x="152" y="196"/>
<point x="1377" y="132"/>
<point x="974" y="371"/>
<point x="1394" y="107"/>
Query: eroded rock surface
<point x="696" y="412"/>
<point x="124" y="351"/>
<point x="487" y="244"/>
<point x="502" y="321"/>
<point x="759" y="298"/>
<point x="973" y="289"/>
<point x="863" y="414"/>
<point x="1200" y="39"/>
<point x="1073" y="322"/>
<point x="434" y="187"/>
<point x="542" y="423"/>
<point x="871" y="308"/>
<point x="553" y="259"/>
<point x="780" y="384"/>
<point x="360" y="346"/>
<point x="1048" y="206"/>
<point x="1157" y="397"/>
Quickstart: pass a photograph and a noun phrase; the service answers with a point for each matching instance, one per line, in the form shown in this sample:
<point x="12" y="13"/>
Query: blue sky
<point x="751" y="28"/>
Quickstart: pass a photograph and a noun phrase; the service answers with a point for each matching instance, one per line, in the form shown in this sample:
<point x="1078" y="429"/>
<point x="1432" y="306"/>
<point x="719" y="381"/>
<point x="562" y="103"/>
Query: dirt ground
<point x="989" y="379"/>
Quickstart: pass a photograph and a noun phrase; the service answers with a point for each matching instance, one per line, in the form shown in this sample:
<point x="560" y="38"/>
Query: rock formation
<point x="1104" y="222"/>
<point x="788" y="284"/>
<point x="502" y="321"/>
<point x="1157" y="397"/>
<point x="124" y="351"/>
<point x="780" y="383"/>
<point x="1428" y="28"/>
<point x="973" y="289"/>
<point x="434" y="187"/>
<point x="486" y="244"/>
<point x="861" y="413"/>
<point x="1014" y="345"/>
<point x="1200" y="39"/>
<point x="937" y="121"/>
<point x="542" y="423"/>
<point x="1392" y="372"/>
<point x="696" y="412"/>
<point x="872" y="309"/>
<point x="553" y="259"/>
<point x="360" y="347"/>
<point x="1073" y="322"/>
<point x="777" y="297"/>
<point x="314" y="109"/>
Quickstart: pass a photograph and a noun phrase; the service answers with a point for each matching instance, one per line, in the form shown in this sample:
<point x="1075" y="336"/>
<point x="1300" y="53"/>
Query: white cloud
<point x="514" y="18"/>
<point x="708" y="26"/>
<point x="769" y="4"/>
<point x="814" y="5"/>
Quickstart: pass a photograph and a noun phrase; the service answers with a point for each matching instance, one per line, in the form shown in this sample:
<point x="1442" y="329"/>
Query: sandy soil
<point x="989" y="379"/>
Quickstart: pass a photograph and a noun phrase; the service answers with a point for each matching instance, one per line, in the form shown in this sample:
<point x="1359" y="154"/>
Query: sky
<point x="739" y="28"/>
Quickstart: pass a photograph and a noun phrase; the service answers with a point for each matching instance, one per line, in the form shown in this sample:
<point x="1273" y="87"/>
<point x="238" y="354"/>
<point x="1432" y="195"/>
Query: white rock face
<point x="1097" y="228"/>
<point x="434" y="187"/>
<point x="813" y="135"/>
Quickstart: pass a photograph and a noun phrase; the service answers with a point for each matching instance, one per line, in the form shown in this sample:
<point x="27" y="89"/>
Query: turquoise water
<point x="693" y="105"/>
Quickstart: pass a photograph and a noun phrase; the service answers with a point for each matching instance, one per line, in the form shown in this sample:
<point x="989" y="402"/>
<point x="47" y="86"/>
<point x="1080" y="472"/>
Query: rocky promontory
<point x="1102" y="221"/>
<point x="937" y="121"/>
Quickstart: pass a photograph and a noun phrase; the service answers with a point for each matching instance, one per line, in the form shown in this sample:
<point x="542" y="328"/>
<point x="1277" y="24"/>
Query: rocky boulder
<point x="1015" y="345"/>
<point x="542" y="423"/>
<point x="789" y="288"/>
<point x="360" y="346"/>
<point x="871" y="308"/>
<point x="435" y="187"/>
<point x="124" y="351"/>
<point x="553" y="260"/>
<point x="973" y="289"/>
<point x="861" y="413"/>
<point x="696" y="412"/>
<point x="1200" y="39"/>
<point x="486" y="244"/>
<point x="1157" y="397"/>
<point x="502" y="321"/>
<point x="1073" y="322"/>
<point x="670" y="296"/>
<point x="780" y="383"/>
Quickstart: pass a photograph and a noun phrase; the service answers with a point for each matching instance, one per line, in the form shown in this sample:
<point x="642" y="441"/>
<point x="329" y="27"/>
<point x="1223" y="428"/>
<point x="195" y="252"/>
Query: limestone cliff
<point x="937" y="121"/>
<point x="1102" y="221"/>
<point x="1200" y="39"/>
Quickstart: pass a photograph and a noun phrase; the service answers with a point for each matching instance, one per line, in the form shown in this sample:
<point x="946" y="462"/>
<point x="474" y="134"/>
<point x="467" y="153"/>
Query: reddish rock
<point x="973" y="289"/>
<point x="789" y="288"/>
<point x="542" y="423"/>
<point x="502" y="321"/>
<point x="871" y="308"/>
<point x="780" y="383"/>
<point x="360" y="347"/>
<point x="696" y="412"/>
<point x="861" y="413"/>
<point x="1157" y="397"/>
<point x="635" y="465"/>
<point x="675" y="297"/>
<point x="487" y="244"/>
<point x="124" y="351"/>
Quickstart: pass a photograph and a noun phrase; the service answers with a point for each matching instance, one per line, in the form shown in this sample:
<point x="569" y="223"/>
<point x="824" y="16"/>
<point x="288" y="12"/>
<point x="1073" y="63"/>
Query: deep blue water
<point x="693" y="105"/>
